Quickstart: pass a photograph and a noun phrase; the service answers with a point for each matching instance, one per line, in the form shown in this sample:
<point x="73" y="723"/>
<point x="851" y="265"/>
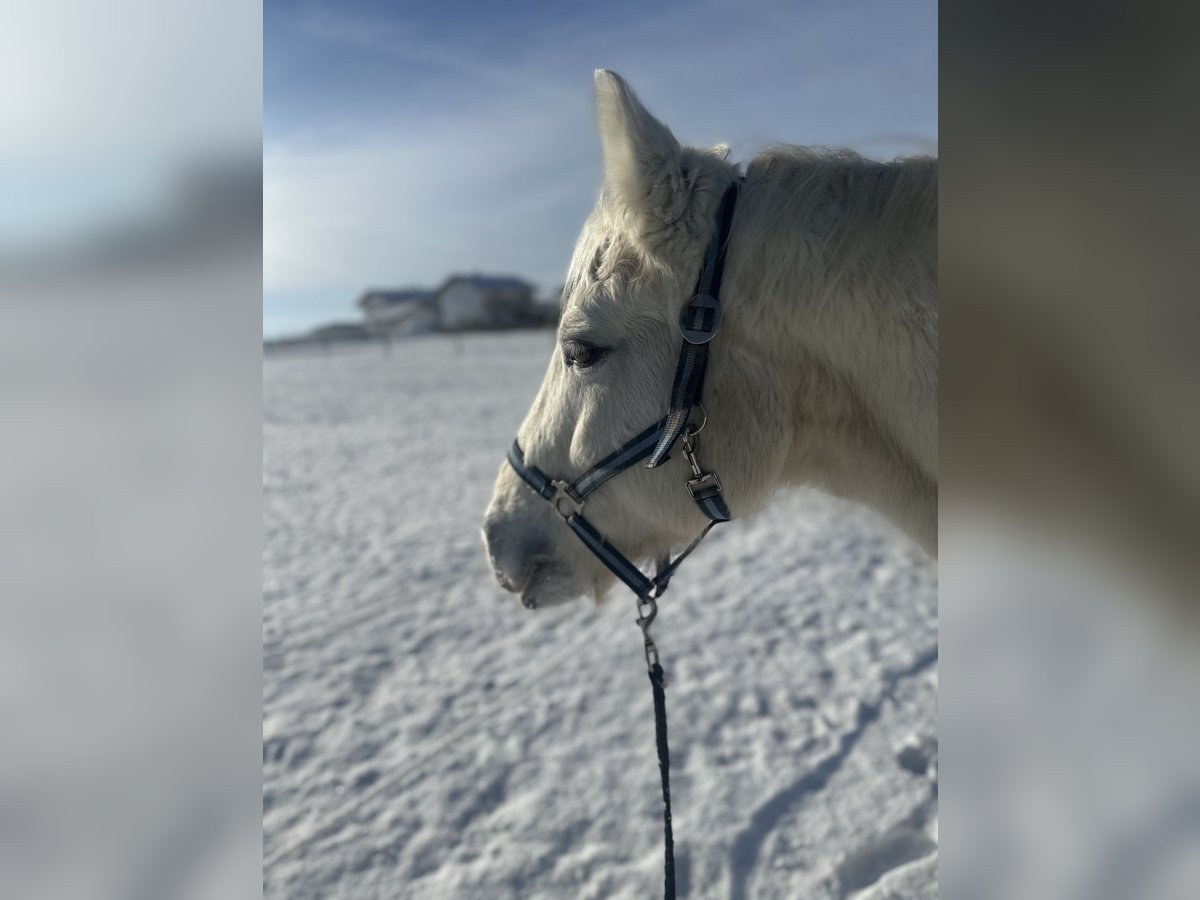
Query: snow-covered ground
<point x="424" y="736"/>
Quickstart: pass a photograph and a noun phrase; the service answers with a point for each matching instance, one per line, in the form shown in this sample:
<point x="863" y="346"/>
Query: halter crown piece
<point x="698" y="323"/>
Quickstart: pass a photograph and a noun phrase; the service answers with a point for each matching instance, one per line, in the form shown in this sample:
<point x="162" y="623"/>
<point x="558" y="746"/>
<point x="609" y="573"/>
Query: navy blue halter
<point x="698" y="323"/>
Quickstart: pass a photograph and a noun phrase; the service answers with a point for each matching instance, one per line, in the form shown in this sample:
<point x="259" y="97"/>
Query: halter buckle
<point x="698" y="320"/>
<point x="562" y="494"/>
<point x="702" y="485"/>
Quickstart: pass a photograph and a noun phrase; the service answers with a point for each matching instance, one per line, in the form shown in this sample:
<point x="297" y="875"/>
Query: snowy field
<point x="424" y="736"/>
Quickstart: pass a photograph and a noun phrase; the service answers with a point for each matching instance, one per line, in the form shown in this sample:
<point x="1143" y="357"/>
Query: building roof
<point x="489" y="282"/>
<point x="392" y="298"/>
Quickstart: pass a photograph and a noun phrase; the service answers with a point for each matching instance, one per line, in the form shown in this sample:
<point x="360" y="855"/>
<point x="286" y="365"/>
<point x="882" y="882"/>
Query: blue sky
<point x="402" y="142"/>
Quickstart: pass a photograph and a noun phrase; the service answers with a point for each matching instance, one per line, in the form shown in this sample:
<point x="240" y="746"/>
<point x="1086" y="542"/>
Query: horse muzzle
<point x="522" y="562"/>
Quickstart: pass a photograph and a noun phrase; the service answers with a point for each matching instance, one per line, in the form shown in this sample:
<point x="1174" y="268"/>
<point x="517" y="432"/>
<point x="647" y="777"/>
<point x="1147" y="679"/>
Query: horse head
<point x="633" y="270"/>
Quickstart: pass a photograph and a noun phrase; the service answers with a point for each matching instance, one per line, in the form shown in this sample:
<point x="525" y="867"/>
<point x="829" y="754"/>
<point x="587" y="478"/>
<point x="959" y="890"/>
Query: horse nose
<point x="511" y="551"/>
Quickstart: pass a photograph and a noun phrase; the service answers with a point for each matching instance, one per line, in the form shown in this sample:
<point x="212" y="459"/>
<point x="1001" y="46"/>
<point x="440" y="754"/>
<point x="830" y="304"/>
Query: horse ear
<point x="643" y="168"/>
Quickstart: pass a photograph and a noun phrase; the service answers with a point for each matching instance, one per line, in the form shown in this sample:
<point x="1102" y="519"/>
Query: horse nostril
<point x="512" y="553"/>
<point x="503" y="579"/>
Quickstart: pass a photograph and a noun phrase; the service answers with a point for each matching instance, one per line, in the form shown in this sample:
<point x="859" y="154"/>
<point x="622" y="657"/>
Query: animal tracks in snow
<point x="919" y="756"/>
<point x="782" y="813"/>
<point x="425" y="737"/>
<point x="866" y="872"/>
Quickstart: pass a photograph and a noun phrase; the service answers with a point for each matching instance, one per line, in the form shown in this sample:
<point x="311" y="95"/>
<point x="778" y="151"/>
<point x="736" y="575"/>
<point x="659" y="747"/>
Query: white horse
<point x="823" y="372"/>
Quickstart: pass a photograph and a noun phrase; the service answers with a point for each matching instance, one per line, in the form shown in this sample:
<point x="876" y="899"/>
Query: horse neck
<point x="844" y="276"/>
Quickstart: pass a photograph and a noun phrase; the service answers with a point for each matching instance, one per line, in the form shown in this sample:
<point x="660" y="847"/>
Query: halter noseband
<point x="698" y="324"/>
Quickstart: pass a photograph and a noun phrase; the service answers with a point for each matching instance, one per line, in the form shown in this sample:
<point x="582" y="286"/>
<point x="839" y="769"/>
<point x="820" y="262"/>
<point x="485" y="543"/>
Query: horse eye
<point x="580" y="355"/>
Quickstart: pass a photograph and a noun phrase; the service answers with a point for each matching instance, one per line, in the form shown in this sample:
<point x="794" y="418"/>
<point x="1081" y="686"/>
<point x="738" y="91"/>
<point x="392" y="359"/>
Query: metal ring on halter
<point x="562" y="491"/>
<point x="645" y="619"/>
<point x="703" y="421"/>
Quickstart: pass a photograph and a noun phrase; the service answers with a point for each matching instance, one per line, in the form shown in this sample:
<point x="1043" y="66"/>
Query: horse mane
<point x="867" y="222"/>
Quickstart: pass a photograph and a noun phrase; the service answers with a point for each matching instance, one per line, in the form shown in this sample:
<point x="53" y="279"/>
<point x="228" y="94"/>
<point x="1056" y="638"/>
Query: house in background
<point x="394" y="313"/>
<point x="485" y="301"/>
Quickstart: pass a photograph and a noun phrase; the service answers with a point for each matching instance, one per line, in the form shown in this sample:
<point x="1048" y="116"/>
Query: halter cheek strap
<point x="698" y="324"/>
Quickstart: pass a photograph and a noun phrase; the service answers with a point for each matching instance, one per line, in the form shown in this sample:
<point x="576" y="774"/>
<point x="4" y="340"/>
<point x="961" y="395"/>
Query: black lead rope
<point x="647" y="610"/>
<point x="664" y="770"/>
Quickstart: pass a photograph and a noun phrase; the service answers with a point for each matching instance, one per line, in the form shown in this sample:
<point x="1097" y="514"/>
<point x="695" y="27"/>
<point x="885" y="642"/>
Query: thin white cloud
<point x="497" y="170"/>
<point x="412" y="206"/>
